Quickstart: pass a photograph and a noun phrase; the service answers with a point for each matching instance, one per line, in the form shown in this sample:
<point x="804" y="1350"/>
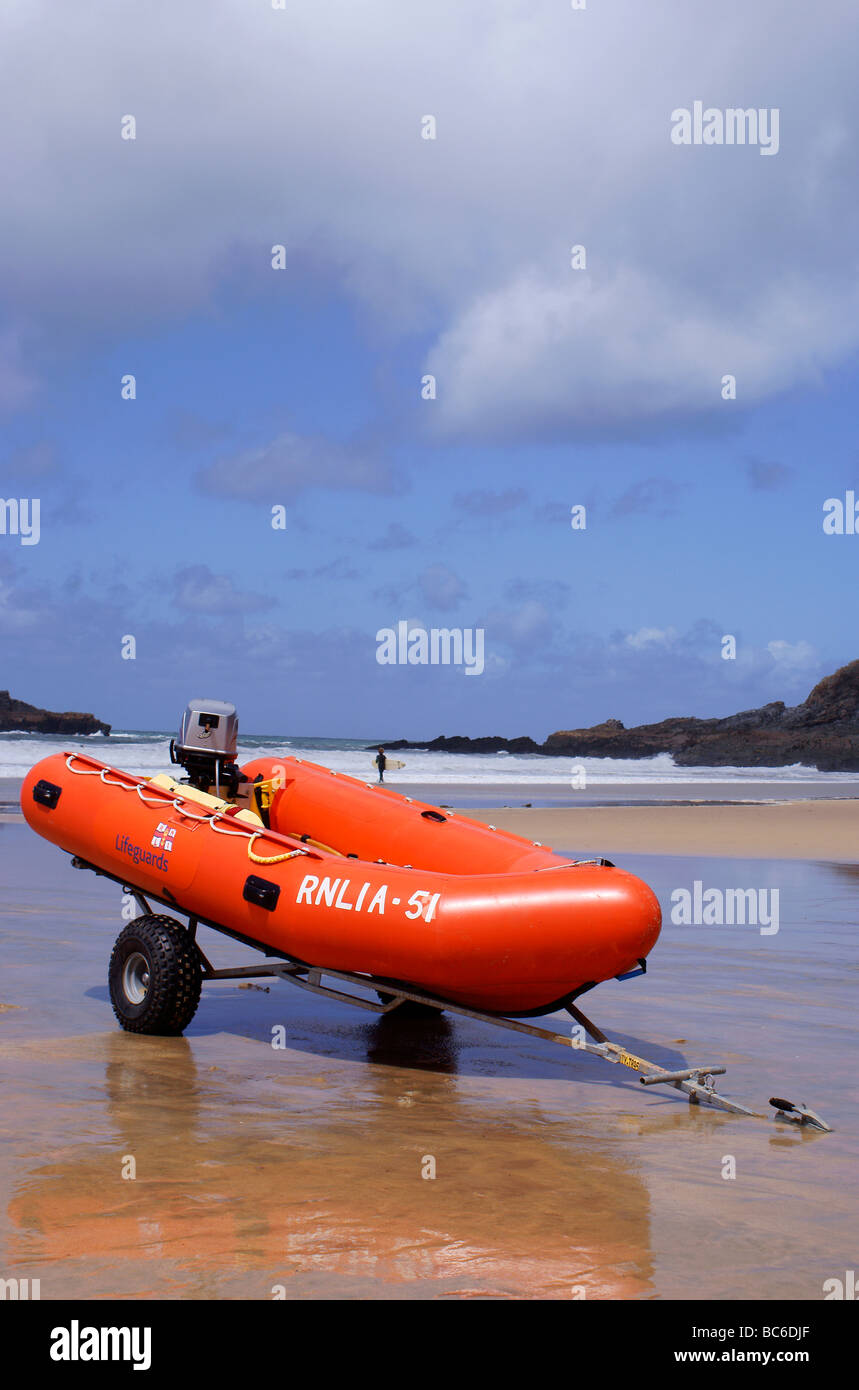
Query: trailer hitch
<point x="798" y="1114"/>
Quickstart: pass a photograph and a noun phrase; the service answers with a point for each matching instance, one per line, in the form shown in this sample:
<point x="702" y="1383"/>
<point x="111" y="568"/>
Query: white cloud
<point x="795" y="657"/>
<point x="198" y="590"/>
<point x="560" y="356"/>
<point x="302" y="127"/>
<point x="18" y="612"/>
<point x="293" y="463"/>
<point x="651" y="637"/>
<point x="523" y="627"/>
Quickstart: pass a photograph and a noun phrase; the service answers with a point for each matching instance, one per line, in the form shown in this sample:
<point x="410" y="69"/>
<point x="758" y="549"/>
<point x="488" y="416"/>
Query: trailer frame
<point x="697" y="1082"/>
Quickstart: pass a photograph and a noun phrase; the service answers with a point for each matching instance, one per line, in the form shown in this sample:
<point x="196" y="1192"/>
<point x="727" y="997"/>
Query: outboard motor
<point x="206" y="747"/>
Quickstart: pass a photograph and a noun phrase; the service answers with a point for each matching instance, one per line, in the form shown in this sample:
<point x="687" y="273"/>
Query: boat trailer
<point x="696" y="1082"/>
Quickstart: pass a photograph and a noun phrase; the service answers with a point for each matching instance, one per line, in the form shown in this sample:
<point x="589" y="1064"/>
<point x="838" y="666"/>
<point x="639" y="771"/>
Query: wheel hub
<point x="135" y="978"/>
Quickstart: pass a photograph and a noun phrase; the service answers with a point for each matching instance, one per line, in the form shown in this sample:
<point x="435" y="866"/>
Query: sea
<point x="144" y="752"/>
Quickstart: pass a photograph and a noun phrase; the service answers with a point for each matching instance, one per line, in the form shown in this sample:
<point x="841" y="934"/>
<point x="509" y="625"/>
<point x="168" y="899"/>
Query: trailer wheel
<point x="154" y="976"/>
<point x="410" y="1008"/>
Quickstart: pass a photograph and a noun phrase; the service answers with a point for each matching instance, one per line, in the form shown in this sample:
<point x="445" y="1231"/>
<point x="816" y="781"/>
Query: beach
<point x="301" y="1172"/>
<point x="809" y="818"/>
<point x="822" y="830"/>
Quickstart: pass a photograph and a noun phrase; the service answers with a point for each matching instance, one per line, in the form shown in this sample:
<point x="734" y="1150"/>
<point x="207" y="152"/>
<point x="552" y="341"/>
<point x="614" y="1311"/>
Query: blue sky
<point x="302" y="387"/>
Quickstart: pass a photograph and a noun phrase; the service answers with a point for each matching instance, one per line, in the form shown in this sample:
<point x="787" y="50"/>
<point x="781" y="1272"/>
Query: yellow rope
<point x="317" y="844"/>
<point x="274" y="858"/>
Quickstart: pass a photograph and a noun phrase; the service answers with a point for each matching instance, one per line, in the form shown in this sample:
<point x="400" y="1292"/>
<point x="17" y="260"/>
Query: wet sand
<point x="810" y="829"/>
<point x="260" y="1170"/>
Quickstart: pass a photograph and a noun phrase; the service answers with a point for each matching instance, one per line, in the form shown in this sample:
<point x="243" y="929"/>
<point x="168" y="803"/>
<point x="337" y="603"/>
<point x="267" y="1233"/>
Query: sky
<point x="598" y="385"/>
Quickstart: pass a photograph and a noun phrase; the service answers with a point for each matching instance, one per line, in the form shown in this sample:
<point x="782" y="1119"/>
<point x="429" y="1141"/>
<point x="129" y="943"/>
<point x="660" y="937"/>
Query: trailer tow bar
<point x="696" y="1082"/>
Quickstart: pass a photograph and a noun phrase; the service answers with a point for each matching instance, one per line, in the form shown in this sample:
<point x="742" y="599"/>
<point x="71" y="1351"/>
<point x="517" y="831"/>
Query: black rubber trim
<point x="47" y="793"/>
<point x="261" y="892"/>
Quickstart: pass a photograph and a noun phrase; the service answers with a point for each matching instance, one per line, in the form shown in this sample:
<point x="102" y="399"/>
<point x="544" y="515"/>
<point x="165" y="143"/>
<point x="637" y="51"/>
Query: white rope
<point x="179" y="804"/>
<point x="152" y="800"/>
<point x="243" y="834"/>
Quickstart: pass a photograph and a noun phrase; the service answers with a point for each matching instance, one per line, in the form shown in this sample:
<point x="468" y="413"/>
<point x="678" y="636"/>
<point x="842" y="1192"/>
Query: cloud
<point x="395" y="537"/>
<point x="338" y="569"/>
<point x="540" y="357"/>
<point x="198" y="590"/>
<point x="441" y="588"/>
<point x="541" y="673"/>
<point x="486" y="504"/>
<point x="553" y="513"/>
<point x="553" y="593"/>
<point x="523" y="628"/>
<point x="21" y="610"/>
<point x="295" y="463"/>
<point x="658" y="495"/>
<point x="766" y="476"/>
<point x="701" y="261"/>
<point x="651" y="637"/>
<point x="17" y="383"/>
<point x="796" y="658"/>
<point x="32" y="461"/>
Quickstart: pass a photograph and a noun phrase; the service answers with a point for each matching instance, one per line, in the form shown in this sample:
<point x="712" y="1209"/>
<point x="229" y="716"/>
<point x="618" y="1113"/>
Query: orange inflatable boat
<point x="331" y="878"/>
<point x="357" y="879"/>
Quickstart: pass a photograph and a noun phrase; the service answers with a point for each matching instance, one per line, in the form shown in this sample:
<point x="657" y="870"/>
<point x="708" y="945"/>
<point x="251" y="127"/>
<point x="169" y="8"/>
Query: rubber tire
<point x="410" y="1008"/>
<point x="175" y="976"/>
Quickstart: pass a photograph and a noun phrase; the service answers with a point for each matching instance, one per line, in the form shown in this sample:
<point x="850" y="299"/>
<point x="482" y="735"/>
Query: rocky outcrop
<point x="16" y="715"/>
<point x="460" y="744"/>
<point x="822" y="732"/>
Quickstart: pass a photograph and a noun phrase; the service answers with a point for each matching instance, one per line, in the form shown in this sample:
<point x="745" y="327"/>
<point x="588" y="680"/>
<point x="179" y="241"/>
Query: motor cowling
<point x="207" y="744"/>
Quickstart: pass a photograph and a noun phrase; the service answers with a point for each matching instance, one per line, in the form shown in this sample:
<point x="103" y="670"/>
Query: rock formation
<point x="16" y="715"/>
<point x="822" y="732"/>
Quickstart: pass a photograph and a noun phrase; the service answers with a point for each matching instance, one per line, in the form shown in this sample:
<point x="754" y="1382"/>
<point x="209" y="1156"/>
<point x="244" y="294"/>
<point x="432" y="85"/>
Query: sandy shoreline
<point x="822" y="830"/>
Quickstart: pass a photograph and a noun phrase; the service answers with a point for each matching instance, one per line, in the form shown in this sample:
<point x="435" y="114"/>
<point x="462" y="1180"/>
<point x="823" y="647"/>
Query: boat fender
<point x="261" y="891"/>
<point x="47" y="794"/>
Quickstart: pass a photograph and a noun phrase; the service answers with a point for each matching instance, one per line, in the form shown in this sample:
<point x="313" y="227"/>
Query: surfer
<point x="381" y="762"/>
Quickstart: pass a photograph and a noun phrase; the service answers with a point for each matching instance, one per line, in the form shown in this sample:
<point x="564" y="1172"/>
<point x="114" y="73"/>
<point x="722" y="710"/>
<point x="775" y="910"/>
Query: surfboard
<point x="391" y="764"/>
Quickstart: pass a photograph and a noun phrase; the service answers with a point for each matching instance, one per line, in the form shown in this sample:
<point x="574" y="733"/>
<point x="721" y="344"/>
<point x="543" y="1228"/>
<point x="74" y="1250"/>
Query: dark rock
<point x="458" y="743"/>
<point x="16" y="715"/>
<point x="822" y="732"/>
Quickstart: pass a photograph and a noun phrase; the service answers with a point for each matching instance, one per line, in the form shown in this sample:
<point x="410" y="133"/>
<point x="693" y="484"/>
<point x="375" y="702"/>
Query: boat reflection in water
<point x="313" y="1179"/>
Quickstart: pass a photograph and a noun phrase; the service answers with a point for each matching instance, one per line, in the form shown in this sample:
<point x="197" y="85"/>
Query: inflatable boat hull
<point x="510" y="941"/>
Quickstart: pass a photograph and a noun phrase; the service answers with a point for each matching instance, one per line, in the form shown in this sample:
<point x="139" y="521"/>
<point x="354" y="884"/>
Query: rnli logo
<point x="163" y="837"/>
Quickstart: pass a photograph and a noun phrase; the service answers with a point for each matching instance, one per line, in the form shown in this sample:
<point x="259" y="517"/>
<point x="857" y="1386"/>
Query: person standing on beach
<point x="381" y="763"/>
